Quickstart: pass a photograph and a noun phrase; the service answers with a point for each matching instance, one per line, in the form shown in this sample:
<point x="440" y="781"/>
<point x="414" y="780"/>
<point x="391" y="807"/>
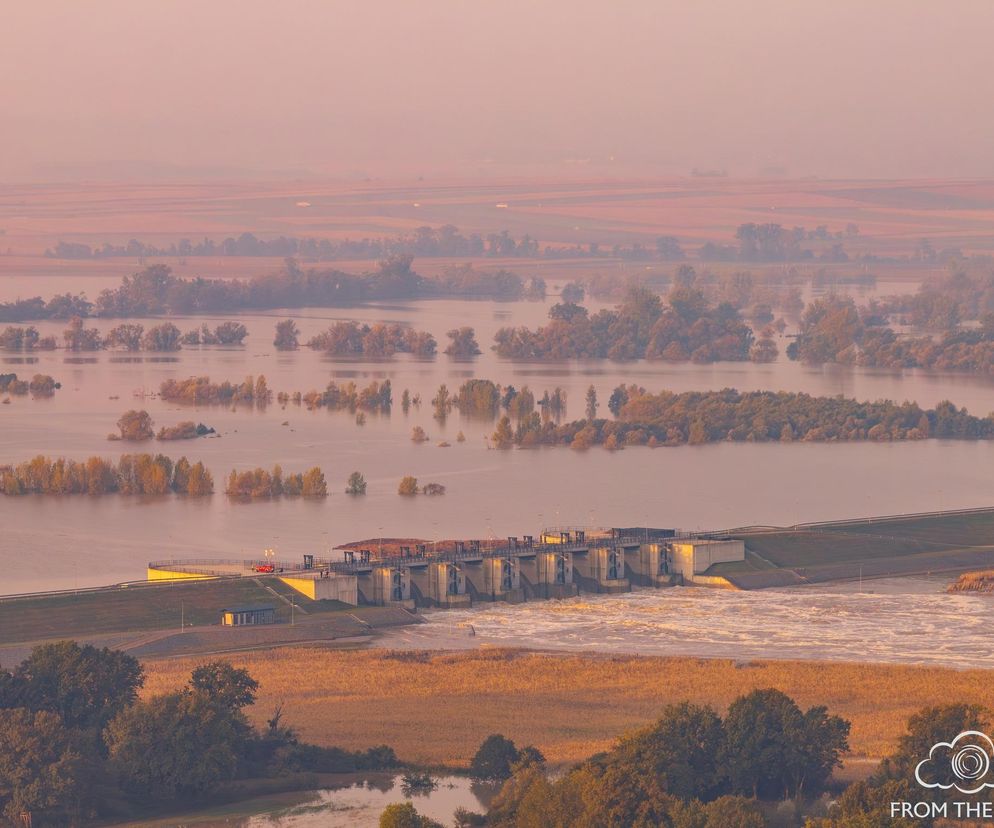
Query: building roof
<point x="251" y="608"/>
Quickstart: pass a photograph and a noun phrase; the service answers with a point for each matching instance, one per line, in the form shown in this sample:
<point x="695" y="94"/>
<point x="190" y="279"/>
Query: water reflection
<point x="359" y="804"/>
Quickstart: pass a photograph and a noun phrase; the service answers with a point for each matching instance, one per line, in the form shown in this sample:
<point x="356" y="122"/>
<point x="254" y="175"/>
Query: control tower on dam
<point x="559" y="563"/>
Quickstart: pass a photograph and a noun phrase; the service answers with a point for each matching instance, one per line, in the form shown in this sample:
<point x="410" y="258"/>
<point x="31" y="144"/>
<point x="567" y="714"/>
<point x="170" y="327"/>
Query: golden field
<point x="435" y="708"/>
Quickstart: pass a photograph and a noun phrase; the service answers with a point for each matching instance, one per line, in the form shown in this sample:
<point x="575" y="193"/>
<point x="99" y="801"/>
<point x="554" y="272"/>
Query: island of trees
<point x="260" y="483"/>
<point x="833" y="329"/>
<point x="41" y="385"/>
<point x="201" y="391"/>
<point x="642" y="326"/>
<point x="697" y="417"/>
<point x="137" y="426"/>
<point x="132" y="474"/>
<point x="379" y="340"/>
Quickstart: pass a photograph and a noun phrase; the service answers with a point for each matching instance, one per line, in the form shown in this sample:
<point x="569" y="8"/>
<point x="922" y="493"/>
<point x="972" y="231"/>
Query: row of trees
<point x="77" y="743"/>
<point x="379" y="340"/>
<point x="697" y="417"/>
<point x="155" y="291"/>
<point x="686" y="327"/>
<point x="435" y="242"/>
<point x="129" y="337"/>
<point x="377" y="397"/>
<point x="755" y="242"/>
<point x="695" y="769"/>
<point x="131" y="474"/>
<point x="41" y="385"/>
<point x="260" y="483"/>
<point x="833" y="329"/>
<point x="201" y="391"/>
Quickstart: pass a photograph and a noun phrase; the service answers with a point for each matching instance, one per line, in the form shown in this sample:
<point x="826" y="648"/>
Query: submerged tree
<point x="356" y="484"/>
<point x="287" y="336"/>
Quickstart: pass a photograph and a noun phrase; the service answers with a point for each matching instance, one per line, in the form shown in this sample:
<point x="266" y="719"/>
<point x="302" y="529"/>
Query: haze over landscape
<point x="840" y="88"/>
<point x="496" y="413"/>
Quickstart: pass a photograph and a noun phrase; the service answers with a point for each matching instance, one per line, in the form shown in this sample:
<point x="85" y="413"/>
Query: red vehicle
<point x="264" y="567"/>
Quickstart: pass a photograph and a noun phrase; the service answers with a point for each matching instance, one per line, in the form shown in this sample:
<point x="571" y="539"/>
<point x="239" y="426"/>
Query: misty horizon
<point x="445" y="89"/>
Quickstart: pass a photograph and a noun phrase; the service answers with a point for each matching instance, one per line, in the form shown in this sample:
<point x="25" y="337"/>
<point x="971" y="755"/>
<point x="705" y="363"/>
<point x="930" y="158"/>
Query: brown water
<point x="52" y="542"/>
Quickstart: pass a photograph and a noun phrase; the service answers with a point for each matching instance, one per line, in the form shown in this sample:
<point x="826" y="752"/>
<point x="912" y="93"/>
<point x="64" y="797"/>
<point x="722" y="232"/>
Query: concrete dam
<point x="557" y="564"/>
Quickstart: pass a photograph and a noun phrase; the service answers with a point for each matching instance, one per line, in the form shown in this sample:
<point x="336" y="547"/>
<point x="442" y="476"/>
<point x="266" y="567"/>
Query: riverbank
<point x="434" y="708"/>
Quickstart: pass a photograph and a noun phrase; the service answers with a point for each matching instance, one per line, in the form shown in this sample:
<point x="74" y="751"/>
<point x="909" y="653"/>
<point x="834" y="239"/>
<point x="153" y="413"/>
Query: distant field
<point x="436" y="708"/>
<point x="891" y="216"/>
<point x="140" y="608"/>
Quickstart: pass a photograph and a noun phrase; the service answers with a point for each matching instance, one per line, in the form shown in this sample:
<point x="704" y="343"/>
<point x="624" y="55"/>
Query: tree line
<point x="697" y="417"/>
<point x="201" y="391"/>
<point x="693" y="768"/>
<point x="767" y="242"/>
<point x="129" y="337"/>
<point x="686" y="327"/>
<point x="833" y="329"/>
<point x="155" y="291"/>
<point x="132" y="474"/>
<point x="78" y="744"/>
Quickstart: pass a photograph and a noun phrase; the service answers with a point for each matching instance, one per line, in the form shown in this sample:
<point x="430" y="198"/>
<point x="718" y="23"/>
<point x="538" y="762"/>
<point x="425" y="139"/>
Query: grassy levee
<point x="873" y="539"/>
<point x="436" y="707"/>
<point x="141" y="607"/>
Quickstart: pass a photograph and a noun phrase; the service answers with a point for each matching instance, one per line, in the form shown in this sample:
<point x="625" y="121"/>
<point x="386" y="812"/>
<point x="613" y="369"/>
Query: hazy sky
<point x="559" y="87"/>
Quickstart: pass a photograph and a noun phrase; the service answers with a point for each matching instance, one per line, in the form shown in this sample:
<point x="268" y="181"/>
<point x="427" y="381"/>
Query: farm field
<point x="435" y="708"/>
<point x="892" y="216"/>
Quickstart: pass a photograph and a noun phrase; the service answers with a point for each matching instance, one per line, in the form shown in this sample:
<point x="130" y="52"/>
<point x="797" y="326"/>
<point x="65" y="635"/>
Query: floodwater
<point x="901" y="621"/>
<point x="360" y="804"/>
<point x="78" y="541"/>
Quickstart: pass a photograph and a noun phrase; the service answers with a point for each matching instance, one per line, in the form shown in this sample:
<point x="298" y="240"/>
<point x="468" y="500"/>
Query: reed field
<point x="435" y="708"/>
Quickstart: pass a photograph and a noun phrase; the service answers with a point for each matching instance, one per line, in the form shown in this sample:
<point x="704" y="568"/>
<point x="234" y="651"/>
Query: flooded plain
<point x="78" y="541"/>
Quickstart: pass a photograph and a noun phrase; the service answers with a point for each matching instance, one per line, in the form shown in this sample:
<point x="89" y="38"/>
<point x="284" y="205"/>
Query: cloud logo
<point x="963" y="764"/>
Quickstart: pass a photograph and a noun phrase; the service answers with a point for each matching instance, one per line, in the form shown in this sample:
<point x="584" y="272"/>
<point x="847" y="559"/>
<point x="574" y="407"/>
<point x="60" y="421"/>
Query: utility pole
<point x="182" y="617"/>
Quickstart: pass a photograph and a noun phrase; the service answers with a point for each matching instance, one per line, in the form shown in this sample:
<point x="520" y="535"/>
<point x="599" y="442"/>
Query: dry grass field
<point x="435" y="708"/>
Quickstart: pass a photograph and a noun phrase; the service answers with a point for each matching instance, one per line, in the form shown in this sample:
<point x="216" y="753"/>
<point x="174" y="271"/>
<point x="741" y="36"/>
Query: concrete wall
<point x="342" y="588"/>
<point x="693" y="558"/>
<point x="170" y="575"/>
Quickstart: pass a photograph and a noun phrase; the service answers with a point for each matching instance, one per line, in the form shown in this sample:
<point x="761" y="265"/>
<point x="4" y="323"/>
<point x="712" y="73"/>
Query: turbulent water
<point x="53" y="542"/>
<point x="911" y="621"/>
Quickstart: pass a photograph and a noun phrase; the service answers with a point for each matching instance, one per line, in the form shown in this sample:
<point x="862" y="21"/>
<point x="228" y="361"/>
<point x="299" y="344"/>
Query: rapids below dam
<point x="898" y="620"/>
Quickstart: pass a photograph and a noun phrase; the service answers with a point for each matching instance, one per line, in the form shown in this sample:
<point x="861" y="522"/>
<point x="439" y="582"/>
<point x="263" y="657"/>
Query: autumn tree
<point x="136" y="426"/>
<point x="127" y="336"/>
<point x="164" y="337"/>
<point x="408" y="486"/>
<point x="287" y="335"/>
<point x="462" y="343"/>
<point x="591" y="410"/>
<point x="41" y="769"/>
